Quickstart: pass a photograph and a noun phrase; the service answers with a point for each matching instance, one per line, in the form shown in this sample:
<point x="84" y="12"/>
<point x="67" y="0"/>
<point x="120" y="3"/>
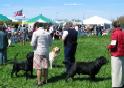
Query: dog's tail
<point x="16" y="55"/>
<point x="11" y="62"/>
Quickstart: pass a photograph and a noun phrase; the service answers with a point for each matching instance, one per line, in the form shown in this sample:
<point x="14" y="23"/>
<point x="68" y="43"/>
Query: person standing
<point x="69" y="38"/>
<point x="41" y="42"/>
<point x="23" y="32"/>
<point x="3" y="45"/>
<point x="116" y="49"/>
<point x="98" y="30"/>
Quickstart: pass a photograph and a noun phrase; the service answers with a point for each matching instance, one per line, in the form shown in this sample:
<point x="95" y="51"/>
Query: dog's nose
<point x="59" y="49"/>
<point x="107" y="61"/>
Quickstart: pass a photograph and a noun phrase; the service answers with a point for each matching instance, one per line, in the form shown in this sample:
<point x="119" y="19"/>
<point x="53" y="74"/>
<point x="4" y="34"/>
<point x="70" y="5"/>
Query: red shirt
<point x="118" y="49"/>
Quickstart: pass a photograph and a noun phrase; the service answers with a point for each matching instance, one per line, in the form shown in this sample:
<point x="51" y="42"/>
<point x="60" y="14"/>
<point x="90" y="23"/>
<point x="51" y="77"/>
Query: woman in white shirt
<point x="40" y="42"/>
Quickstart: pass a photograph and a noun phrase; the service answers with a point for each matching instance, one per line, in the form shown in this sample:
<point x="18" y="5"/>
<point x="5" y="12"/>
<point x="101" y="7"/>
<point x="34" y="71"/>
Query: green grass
<point x="88" y="49"/>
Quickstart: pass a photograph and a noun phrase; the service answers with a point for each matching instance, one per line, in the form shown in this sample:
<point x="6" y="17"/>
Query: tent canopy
<point x="96" y="20"/>
<point x="4" y="18"/>
<point x="41" y="19"/>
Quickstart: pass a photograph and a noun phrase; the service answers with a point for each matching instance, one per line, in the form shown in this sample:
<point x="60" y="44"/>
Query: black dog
<point x="24" y="65"/>
<point x="87" y="68"/>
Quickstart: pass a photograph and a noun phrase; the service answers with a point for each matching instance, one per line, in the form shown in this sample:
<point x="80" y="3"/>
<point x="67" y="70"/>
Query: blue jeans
<point x="69" y="56"/>
<point x="3" y="56"/>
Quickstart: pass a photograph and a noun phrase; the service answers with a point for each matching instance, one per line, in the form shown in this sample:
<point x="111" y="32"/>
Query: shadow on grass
<point x="96" y="80"/>
<point x="57" y="66"/>
<point x="57" y="78"/>
<point x="62" y="77"/>
<point x="23" y="76"/>
<point x="11" y="46"/>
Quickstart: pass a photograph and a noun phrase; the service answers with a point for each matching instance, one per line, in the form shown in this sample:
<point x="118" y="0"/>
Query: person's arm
<point x="113" y="43"/>
<point x="50" y="40"/>
<point x="6" y="40"/>
<point x="65" y="34"/>
<point x="34" y="40"/>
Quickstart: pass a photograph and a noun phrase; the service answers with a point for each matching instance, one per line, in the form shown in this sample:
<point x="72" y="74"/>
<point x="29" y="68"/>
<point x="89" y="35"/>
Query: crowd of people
<point x="41" y="39"/>
<point x="22" y="33"/>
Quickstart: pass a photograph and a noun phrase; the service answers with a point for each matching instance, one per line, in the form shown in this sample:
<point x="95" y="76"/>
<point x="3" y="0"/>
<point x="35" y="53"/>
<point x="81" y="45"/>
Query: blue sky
<point x="62" y="9"/>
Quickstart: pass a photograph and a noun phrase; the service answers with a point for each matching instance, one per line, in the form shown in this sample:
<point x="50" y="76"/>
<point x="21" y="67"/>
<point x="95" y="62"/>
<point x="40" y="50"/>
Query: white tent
<point x="96" y="20"/>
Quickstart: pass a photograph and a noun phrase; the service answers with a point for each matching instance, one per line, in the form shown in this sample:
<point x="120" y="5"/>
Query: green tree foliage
<point x="120" y="20"/>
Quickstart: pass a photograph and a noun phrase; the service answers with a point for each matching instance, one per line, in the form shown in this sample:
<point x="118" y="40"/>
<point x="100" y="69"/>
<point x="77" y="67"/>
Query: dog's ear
<point x="59" y="49"/>
<point x="54" y="49"/>
<point x="30" y="55"/>
<point x="101" y="57"/>
<point x="102" y="60"/>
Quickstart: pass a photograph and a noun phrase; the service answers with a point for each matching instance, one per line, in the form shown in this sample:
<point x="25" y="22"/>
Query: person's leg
<point x="44" y="65"/>
<point x="67" y="64"/>
<point x="38" y="76"/>
<point x="12" y="39"/>
<point x="1" y="57"/>
<point x="123" y="71"/>
<point x="97" y="33"/>
<point x="4" y="56"/>
<point x="23" y="41"/>
<point x="72" y="54"/>
<point x="45" y="73"/>
<point x="116" y="65"/>
<point x="37" y="66"/>
<point x="67" y="58"/>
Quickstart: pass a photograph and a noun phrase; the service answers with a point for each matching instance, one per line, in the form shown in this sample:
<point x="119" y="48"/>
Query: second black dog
<point x="24" y="65"/>
<point x="87" y="68"/>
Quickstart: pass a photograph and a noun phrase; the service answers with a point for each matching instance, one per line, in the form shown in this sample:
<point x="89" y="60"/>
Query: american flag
<point x="18" y="13"/>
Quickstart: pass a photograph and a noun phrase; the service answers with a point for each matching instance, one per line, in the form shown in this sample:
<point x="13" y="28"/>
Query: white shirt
<point x="41" y="41"/>
<point x="65" y="34"/>
<point x="76" y="28"/>
<point x="50" y="29"/>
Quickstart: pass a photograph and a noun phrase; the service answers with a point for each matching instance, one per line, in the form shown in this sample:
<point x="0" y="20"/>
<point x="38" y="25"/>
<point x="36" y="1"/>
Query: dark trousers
<point x="3" y="56"/>
<point x="98" y="33"/>
<point x="69" y="54"/>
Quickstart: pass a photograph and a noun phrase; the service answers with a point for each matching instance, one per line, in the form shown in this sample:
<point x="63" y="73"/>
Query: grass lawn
<point x="88" y="49"/>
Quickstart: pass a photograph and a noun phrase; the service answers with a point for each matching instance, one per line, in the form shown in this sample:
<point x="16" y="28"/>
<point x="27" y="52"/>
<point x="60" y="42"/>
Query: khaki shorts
<point x="40" y="62"/>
